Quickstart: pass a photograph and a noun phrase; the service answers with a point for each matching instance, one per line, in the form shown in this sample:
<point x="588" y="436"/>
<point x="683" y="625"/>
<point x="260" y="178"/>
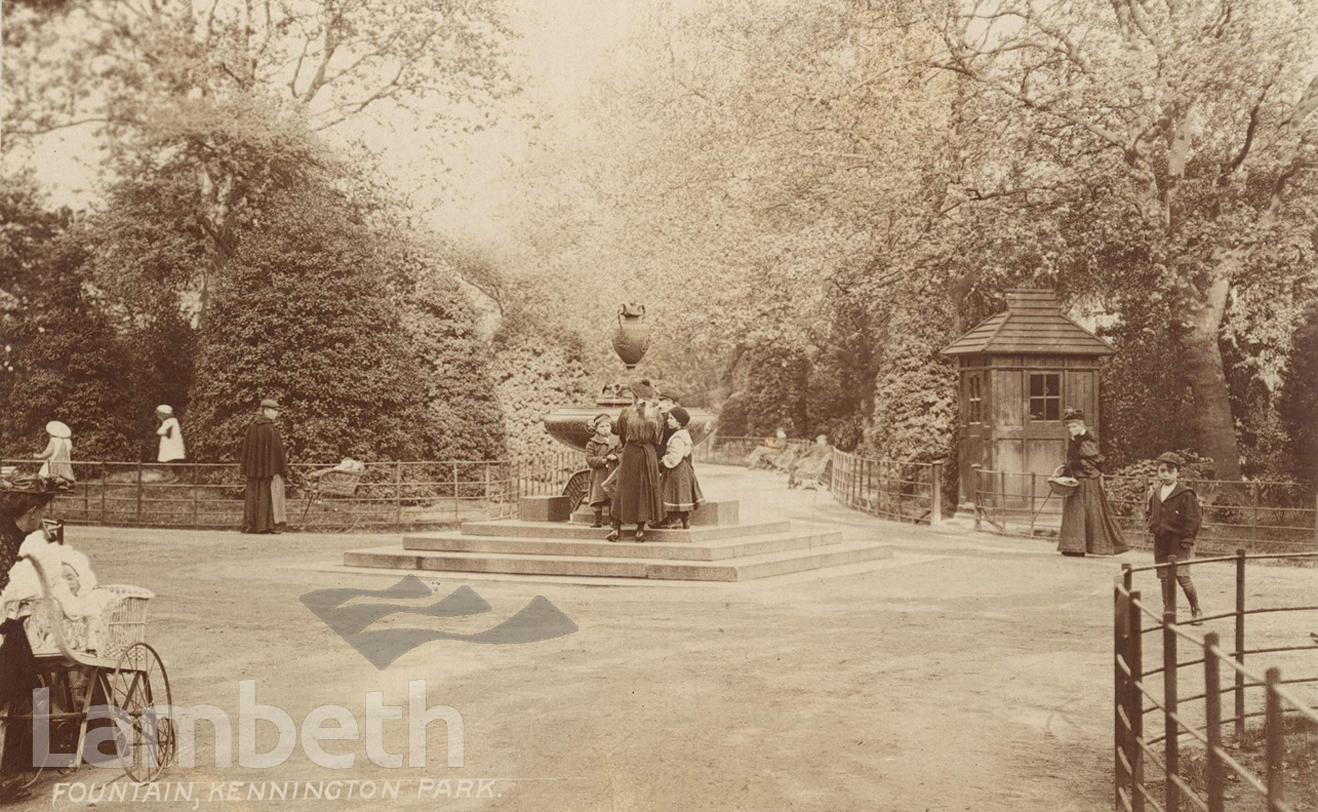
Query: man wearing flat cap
<point x="262" y="464"/>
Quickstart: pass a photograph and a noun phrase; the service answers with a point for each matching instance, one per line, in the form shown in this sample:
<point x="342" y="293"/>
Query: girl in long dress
<point x="639" y="499"/>
<point x="1087" y="523"/>
<point x="58" y="454"/>
<point x="681" y="488"/>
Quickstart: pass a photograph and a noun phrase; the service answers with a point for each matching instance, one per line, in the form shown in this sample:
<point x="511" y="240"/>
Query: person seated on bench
<point x="766" y="453"/>
<point x="812" y="464"/>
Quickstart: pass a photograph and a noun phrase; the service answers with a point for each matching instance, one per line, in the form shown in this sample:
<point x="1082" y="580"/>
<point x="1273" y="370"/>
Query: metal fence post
<point x="1119" y="688"/>
<point x="1213" y="712"/>
<point x="139" y="491"/>
<point x="1240" y="643"/>
<point x="105" y="484"/>
<point x="1171" y="740"/>
<point x="1002" y="497"/>
<point x="1276" y="747"/>
<point x="485" y="512"/>
<point x="398" y="494"/>
<point x="1034" y="485"/>
<point x="456" y="515"/>
<point x="1135" y="702"/>
<point x="974" y="493"/>
<point x="936" y="516"/>
<point x="1254" y="515"/>
<point x="1169" y="589"/>
<point x="196" y="518"/>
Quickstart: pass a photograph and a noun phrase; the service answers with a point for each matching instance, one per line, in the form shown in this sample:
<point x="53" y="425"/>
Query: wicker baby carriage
<point x="123" y="619"/>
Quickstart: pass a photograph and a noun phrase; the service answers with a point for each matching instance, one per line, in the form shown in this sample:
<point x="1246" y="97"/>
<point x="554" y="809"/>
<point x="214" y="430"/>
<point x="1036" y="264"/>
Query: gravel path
<point x="968" y="673"/>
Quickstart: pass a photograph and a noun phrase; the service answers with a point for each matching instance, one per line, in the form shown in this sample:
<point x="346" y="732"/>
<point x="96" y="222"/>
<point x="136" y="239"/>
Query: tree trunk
<point x="1216" y="428"/>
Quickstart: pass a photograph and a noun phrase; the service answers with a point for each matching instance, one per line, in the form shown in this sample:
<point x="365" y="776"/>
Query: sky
<point x="563" y="46"/>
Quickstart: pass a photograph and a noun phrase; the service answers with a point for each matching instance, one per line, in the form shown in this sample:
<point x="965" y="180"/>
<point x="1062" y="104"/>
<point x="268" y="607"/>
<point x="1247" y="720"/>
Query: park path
<point x="970" y="672"/>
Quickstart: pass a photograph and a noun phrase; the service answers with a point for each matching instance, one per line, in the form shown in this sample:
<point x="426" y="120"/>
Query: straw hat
<point x="165" y="408"/>
<point x="57" y="429"/>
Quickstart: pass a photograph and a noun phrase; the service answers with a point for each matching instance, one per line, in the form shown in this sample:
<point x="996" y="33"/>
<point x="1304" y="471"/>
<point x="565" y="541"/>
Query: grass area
<point x="1299" y="767"/>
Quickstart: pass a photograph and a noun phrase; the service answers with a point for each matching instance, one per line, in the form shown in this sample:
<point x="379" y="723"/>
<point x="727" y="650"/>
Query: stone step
<point x="743" y="568"/>
<point x="710" y="551"/>
<point x="708" y="514"/>
<point x="563" y="530"/>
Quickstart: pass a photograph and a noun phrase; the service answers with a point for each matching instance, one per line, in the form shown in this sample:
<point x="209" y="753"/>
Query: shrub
<point x="915" y="391"/>
<point x="536" y="372"/>
<point x="300" y="315"/>
<point x="463" y="417"/>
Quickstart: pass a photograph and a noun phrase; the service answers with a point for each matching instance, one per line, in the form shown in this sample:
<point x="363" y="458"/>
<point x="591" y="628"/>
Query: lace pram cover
<point x="120" y="623"/>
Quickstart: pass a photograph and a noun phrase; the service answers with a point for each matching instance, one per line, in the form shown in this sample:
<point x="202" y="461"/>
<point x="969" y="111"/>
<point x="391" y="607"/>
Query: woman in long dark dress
<point x="1087" y="523"/>
<point x="23" y="502"/>
<point x="639" y="498"/>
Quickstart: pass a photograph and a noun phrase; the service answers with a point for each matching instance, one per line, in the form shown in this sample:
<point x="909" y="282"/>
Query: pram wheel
<point x="146" y="735"/>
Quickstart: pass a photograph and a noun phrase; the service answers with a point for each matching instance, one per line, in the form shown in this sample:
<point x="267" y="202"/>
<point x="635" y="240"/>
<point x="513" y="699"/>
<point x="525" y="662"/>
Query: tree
<point x="301" y="316"/>
<point x="1299" y="399"/>
<point x="62" y="359"/>
<point x="464" y="420"/>
<point x="1196" y="117"/>
<point x="224" y="94"/>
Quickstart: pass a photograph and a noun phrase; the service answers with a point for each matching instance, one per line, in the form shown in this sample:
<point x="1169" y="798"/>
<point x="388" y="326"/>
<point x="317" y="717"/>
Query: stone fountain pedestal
<point x="717" y="547"/>
<point x="549" y="539"/>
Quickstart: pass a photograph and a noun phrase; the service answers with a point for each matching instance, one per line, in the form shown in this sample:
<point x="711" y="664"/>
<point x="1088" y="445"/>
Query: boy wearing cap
<point x="1173" y="512"/>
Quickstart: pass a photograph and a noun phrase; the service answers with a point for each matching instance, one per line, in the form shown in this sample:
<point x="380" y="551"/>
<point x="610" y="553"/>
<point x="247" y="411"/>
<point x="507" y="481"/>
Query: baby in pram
<point x="73" y="585"/>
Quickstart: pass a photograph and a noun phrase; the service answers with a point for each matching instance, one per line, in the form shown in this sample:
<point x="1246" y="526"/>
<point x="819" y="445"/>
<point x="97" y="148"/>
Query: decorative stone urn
<point x="571" y="425"/>
<point x="633" y="336"/>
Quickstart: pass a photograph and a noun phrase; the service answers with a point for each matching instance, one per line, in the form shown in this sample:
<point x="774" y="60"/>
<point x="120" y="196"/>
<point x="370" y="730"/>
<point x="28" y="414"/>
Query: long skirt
<point x="682" y="492"/>
<point x="639" y="498"/>
<point x="1087" y="522"/>
<point x="18" y="677"/>
<point x="263" y="505"/>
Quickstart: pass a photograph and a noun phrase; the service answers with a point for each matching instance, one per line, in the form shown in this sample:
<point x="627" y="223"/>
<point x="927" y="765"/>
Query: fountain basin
<point x="571" y="425"/>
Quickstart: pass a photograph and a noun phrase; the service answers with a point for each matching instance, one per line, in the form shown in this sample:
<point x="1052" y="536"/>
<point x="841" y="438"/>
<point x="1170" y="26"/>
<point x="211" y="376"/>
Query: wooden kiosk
<point x="1020" y="370"/>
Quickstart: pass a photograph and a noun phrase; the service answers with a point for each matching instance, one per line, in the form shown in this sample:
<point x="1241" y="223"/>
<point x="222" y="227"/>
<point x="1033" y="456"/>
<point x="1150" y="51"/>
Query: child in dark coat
<point x="602" y="459"/>
<point x="1173" y="512"/>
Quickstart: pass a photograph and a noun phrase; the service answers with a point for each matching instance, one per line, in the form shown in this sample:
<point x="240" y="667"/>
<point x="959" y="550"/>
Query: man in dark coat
<point x="262" y="464"/>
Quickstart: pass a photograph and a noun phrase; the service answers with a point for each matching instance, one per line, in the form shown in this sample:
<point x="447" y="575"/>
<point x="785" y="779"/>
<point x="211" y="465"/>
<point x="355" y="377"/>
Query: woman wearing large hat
<point x="1087" y="522"/>
<point x="23" y="504"/>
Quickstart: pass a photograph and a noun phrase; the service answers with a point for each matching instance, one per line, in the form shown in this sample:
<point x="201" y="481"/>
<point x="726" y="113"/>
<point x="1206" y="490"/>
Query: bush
<point x="915" y="391"/>
<point x="536" y="372"/>
<point x="732" y="416"/>
<point x="62" y="359"/>
<point x="776" y="391"/>
<point x="463" y="418"/>
<point x="300" y="315"/>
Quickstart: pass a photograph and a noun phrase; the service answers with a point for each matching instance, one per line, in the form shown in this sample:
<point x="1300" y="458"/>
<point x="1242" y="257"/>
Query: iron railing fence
<point x="891" y="489"/>
<point x="719" y="450"/>
<point x="900" y="490"/>
<point x="1262" y="516"/>
<point x="1159" y="700"/>
<point x="386" y="494"/>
